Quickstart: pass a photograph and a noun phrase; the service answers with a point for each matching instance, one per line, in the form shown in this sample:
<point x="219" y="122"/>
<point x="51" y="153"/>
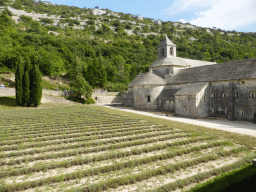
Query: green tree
<point x="95" y="73"/>
<point x="80" y="87"/>
<point x="18" y="81"/>
<point x="36" y="88"/>
<point x="25" y="89"/>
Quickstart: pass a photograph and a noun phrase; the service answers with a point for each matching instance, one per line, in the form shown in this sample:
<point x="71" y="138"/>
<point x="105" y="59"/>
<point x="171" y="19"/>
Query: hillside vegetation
<point x="68" y="40"/>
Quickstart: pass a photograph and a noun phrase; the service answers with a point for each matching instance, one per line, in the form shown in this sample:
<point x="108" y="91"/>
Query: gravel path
<point x="240" y="127"/>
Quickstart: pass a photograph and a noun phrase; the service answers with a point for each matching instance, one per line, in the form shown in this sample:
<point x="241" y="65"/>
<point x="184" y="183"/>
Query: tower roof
<point x="166" y="41"/>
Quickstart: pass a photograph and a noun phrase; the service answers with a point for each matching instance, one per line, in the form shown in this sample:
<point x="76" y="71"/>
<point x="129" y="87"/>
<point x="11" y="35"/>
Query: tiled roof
<point x="166" y="41"/>
<point x="191" y="88"/>
<point x="177" y="61"/>
<point x="168" y="94"/>
<point x="147" y="79"/>
<point x="235" y="70"/>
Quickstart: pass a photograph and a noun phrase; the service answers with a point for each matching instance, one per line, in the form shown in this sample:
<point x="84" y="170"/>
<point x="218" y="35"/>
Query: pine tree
<point x="25" y="90"/>
<point x="36" y="88"/>
<point x="18" y="82"/>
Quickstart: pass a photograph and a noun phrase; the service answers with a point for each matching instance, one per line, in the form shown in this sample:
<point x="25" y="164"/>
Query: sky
<point x="238" y="15"/>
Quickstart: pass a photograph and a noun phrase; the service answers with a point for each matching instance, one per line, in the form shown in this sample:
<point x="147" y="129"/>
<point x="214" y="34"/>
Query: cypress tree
<point x="18" y="82"/>
<point x="36" y="88"/>
<point x="26" y="90"/>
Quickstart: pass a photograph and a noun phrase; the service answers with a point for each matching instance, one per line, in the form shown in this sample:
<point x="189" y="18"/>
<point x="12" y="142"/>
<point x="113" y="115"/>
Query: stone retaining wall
<point x="50" y="99"/>
<point x="107" y="97"/>
<point x="7" y="92"/>
<point x="99" y="97"/>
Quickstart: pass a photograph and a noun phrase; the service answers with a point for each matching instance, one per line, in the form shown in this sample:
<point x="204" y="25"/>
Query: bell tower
<point x="166" y="48"/>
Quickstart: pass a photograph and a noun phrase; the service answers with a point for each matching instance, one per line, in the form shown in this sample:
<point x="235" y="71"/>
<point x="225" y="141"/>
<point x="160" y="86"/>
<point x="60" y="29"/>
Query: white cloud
<point x="228" y="15"/>
<point x="224" y="14"/>
<point x="186" y="5"/>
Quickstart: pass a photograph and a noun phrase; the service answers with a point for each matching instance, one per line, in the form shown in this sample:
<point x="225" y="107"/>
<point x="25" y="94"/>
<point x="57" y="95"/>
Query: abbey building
<point x="195" y="89"/>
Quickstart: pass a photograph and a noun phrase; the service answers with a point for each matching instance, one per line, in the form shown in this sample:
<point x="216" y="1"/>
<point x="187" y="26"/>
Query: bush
<point x="90" y="101"/>
<point x="26" y="19"/>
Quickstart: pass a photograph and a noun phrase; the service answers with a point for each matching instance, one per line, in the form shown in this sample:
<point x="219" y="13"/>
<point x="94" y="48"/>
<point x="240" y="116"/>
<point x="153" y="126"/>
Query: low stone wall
<point x="99" y="97"/>
<point x="107" y="97"/>
<point x="50" y="99"/>
<point x="4" y="92"/>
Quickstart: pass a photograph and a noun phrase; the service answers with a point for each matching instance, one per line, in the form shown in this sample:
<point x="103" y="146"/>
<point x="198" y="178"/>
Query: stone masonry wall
<point x="186" y="106"/>
<point x="107" y="97"/>
<point x="7" y="92"/>
<point x="236" y="100"/>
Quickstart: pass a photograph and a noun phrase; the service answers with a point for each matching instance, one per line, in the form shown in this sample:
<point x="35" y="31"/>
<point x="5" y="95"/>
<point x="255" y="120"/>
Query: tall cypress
<point x="26" y="90"/>
<point x="18" y="83"/>
<point x="36" y="88"/>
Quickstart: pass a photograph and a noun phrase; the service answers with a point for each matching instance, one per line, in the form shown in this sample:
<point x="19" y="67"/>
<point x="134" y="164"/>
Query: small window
<point x="213" y="95"/>
<point x="162" y="51"/>
<point x="223" y="94"/>
<point x="171" y="51"/>
<point x="237" y="95"/>
<point x="241" y="112"/>
<point x="185" y="108"/>
<point x="204" y="98"/>
<point x="148" y="98"/>
<point x="160" y="101"/>
<point x="252" y="94"/>
<point x="226" y="111"/>
<point x="213" y="110"/>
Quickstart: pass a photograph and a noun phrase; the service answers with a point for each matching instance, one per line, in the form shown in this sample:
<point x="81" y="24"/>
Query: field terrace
<point x="92" y="148"/>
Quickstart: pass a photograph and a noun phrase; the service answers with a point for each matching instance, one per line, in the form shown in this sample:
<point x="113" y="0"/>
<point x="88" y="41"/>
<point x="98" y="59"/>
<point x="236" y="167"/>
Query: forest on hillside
<point x="103" y="53"/>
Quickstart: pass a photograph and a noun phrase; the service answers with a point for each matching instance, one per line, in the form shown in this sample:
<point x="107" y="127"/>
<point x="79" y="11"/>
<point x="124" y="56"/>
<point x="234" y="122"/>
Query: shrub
<point x="90" y="101"/>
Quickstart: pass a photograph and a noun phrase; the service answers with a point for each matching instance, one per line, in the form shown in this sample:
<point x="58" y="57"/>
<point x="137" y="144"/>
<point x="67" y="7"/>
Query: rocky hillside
<point x="107" y="48"/>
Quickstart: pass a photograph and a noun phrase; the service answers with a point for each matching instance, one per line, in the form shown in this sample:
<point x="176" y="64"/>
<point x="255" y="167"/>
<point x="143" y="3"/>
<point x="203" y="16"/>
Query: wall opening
<point x="252" y="94"/>
<point x="237" y="95"/>
<point x="223" y="94"/>
<point x="204" y="98"/>
<point x="213" y="110"/>
<point x="162" y="51"/>
<point x="148" y="98"/>
<point x="171" y="51"/>
<point x="185" y="108"/>
<point x="241" y="112"/>
<point x="226" y="111"/>
<point x="213" y="95"/>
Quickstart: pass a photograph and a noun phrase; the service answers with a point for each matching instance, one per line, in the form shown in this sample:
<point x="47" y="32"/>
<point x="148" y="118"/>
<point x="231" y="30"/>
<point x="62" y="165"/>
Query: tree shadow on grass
<point x="243" y="180"/>
<point x="8" y="102"/>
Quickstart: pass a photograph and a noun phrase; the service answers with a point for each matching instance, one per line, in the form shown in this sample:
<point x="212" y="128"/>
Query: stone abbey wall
<point x="233" y="100"/>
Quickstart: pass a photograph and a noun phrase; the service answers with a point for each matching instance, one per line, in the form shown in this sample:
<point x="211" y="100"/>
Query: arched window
<point x="171" y="51"/>
<point x="148" y="98"/>
<point x="226" y="110"/>
<point x="213" y="95"/>
<point x="223" y="94"/>
<point x="252" y="94"/>
<point x="241" y="112"/>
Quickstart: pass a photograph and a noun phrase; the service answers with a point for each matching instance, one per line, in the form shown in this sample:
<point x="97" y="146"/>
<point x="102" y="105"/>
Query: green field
<point x="92" y="148"/>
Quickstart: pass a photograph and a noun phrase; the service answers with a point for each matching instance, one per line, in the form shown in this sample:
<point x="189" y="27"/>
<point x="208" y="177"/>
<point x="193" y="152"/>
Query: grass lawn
<point x="93" y="148"/>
